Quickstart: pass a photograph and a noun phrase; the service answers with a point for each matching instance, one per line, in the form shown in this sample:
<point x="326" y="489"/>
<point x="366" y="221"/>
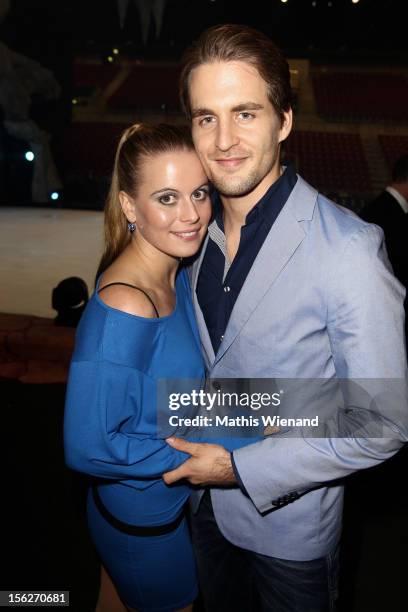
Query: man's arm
<point x="366" y="332"/>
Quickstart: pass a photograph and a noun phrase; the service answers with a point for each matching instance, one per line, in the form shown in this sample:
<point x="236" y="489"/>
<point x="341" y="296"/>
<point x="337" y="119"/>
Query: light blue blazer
<point x="320" y="301"/>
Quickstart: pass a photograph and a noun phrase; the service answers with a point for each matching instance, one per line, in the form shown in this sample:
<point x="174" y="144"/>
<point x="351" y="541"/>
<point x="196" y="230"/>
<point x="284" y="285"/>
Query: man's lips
<point x="230" y="162"/>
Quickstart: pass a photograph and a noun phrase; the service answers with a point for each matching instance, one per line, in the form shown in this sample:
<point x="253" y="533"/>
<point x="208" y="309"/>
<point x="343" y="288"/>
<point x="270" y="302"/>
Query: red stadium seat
<point x="330" y="161"/>
<point x="393" y="146"/>
<point x="348" y="96"/>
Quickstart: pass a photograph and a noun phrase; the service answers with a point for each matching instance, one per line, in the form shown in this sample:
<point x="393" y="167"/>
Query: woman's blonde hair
<point x="137" y="143"/>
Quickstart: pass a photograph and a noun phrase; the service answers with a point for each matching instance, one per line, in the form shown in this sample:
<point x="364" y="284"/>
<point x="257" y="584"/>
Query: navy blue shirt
<point x="219" y="282"/>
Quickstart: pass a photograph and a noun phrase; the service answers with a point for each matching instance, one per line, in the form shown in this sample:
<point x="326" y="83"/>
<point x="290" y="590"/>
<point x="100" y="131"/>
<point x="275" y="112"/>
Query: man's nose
<point x="226" y="135"/>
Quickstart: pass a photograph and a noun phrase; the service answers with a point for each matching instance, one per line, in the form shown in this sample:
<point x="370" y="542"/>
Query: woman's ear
<point x="128" y="206"/>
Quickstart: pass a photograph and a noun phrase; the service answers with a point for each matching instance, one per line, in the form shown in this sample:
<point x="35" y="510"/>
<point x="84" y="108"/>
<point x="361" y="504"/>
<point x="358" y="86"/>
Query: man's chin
<point x="234" y="187"/>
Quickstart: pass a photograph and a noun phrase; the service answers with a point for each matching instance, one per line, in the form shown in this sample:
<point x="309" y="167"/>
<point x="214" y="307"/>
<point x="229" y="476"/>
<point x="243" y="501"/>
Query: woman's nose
<point x="189" y="212"/>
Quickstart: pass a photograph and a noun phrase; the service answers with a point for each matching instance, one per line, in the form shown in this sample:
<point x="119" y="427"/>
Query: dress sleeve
<point x="110" y="423"/>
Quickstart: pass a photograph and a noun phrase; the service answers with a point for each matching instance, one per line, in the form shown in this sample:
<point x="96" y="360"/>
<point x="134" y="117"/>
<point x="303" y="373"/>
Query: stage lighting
<point x="284" y="1"/>
<point x="29" y="156"/>
<point x="54" y="195"/>
<point x="69" y="299"/>
<point x="110" y="59"/>
<point x="115" y="51"/>
<point x="355" y="1"/>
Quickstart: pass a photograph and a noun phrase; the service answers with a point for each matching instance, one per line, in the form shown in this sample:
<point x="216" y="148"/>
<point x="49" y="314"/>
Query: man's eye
<point x="246" y="116"/>
<point x="167" y="198"/>
<point x="206" y="121"/>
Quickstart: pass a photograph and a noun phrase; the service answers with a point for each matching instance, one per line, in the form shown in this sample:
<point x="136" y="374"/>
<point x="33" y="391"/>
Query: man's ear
<point x="128" y="206"/>
<point x="286" y="126"/>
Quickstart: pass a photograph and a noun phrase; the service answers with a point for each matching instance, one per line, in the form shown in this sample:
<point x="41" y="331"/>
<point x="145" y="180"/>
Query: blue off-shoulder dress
<point x="110" y="432"/>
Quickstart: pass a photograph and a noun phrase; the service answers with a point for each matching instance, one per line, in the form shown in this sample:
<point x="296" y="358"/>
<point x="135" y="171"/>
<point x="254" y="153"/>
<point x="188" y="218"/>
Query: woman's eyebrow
<point x="164" y="189"/>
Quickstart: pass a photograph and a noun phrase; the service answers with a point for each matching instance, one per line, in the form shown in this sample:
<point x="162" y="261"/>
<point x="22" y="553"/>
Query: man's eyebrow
<point x="199" y="112"/>
<point x="244" y="106"/>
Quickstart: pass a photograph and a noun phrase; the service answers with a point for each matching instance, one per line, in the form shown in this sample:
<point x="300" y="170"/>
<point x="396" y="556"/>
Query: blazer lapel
<point x="282" y="241"/>
<point x="209" y="354"/>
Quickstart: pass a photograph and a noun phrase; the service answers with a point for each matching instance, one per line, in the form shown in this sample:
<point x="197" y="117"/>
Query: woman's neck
<point x="148" y="265"/>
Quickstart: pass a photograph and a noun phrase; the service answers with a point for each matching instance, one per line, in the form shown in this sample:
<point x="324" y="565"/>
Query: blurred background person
<point x="21" y="78"/>
<point x="390" y="211"/>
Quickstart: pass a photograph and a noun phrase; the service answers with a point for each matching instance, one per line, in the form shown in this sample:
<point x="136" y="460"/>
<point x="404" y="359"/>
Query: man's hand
<point x="209" y="464"/>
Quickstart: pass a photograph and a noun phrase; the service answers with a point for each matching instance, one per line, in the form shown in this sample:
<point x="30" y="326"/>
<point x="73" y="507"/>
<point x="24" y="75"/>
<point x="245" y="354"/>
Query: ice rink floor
<point x="38" y="248"/>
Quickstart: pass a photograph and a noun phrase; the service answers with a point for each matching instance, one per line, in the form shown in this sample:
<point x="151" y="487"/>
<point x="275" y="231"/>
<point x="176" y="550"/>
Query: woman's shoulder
<point x="128" y="299"/>
<point x="117" y="328"/>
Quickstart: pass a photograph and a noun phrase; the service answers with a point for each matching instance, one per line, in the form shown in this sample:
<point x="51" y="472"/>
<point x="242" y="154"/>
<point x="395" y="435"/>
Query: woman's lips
<point x="188" y="236"/>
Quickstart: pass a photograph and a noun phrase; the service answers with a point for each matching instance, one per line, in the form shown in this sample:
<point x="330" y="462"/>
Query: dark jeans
<point x="233" y="579"/>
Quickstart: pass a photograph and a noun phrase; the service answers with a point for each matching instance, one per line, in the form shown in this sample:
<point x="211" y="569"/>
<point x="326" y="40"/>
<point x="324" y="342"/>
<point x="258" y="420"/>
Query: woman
<point x="138" y="327"/>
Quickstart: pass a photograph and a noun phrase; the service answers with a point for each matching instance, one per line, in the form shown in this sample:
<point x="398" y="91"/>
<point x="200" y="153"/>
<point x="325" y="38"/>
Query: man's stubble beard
<point x="230" y="186"/>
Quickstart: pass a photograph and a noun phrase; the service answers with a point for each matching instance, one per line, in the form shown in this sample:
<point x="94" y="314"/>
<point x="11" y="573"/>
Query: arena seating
<point x="393" y="146"/>
<point x="86" y="163"/>
<point x="93" y="75"/>
<point x="33" y="349"/>
<point x="89" y="148"/>
<point x="331" y="162"/>
<point x="361" y="96"/>
<point x="148" y="87"/>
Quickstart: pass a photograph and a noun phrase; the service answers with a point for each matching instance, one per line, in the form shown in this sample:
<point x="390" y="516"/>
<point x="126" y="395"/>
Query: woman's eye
<point x="200" y="194"/>
<point x="167" y="198"/>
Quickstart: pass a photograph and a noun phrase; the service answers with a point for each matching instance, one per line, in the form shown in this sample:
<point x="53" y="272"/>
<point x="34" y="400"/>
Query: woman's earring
<point x="131" y="227"/>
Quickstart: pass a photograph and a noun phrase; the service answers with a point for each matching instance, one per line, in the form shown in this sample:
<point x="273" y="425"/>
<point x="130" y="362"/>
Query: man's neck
<point x="236" y="209"/>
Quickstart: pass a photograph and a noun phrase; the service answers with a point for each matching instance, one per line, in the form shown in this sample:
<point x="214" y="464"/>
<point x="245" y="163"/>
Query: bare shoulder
<point x="128" y="299"/>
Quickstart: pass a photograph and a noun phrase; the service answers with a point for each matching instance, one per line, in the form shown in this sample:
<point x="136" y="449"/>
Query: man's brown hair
<point x="238" y="43"/>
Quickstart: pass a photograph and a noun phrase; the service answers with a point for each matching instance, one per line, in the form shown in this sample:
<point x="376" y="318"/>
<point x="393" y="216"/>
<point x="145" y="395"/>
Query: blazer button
<point x="216" y="385"/>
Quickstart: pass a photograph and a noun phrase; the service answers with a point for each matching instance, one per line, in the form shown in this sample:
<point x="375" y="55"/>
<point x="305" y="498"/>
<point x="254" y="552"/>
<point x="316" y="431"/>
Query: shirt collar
<point x="400" y="198"/>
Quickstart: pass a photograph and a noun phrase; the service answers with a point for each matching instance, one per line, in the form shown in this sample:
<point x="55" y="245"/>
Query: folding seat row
<point x="148" y="87"/>
<point x="330" y="161"/>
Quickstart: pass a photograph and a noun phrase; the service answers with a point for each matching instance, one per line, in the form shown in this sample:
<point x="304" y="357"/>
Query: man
<point x="390" y="211"/>
<point x="282" y="289"/>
